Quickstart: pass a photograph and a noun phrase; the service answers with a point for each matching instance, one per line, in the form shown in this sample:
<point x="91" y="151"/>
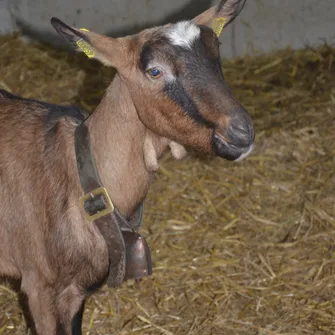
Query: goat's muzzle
<point x="236" y="142"/>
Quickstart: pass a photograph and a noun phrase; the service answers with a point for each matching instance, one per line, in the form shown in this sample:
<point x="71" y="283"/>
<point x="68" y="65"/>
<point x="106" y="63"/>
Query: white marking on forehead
<point x="183" y="33"/>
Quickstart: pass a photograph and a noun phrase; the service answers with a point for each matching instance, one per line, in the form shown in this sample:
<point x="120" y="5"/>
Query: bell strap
<point x="99" y="208"/>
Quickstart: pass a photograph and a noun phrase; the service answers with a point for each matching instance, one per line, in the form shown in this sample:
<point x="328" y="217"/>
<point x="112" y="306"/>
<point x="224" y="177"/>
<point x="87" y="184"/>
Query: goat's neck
<point x="117" y="139"/>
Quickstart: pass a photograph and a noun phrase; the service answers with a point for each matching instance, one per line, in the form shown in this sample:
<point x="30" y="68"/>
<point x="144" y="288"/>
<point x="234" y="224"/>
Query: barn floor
<point x="238" y="248"/>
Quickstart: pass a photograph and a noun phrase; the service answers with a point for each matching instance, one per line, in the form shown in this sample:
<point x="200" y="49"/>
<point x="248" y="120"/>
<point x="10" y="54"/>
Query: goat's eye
<point x="155" y="73"/>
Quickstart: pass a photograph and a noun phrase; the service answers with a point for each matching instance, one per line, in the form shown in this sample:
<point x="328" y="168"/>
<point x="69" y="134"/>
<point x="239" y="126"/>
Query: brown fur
<point x="41" y="188"/>
<point x="45" y="240"/>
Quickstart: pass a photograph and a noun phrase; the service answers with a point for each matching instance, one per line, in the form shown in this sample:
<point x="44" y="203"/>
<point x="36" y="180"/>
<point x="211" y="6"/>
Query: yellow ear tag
<point x="85" y="47"/>
<point x="218" y="25"/>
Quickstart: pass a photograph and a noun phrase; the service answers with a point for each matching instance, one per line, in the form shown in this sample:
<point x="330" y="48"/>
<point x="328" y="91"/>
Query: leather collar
<point x="129" y="254"/>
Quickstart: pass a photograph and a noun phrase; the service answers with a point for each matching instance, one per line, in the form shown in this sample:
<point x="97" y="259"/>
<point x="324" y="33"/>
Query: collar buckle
<point x="96" y="204"/>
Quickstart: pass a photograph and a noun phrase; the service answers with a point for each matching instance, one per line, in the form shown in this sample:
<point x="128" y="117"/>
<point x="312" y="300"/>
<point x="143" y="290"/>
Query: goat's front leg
<point x="55" y="311"/>
<point x="77" y="320"/>
<point x="27" y="326"/>
<point x="40" y="299"/>
<point x="70" y="303"/>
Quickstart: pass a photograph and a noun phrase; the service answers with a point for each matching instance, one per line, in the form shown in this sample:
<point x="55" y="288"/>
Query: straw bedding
<point x="238" y="248"/>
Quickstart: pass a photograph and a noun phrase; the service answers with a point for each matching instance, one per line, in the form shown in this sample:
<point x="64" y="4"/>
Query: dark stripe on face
<point x="175" y="91"/>
<point x="158" y="47"/>
<point x="201" y="72"/>
<point x="146" y="56"/>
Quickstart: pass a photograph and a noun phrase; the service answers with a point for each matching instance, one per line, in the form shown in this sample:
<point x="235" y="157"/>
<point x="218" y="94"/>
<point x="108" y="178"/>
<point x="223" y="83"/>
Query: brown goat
<point x="169" y="90"/>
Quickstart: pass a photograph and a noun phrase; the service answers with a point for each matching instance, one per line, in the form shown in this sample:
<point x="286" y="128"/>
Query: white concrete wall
<point x="6" y="23"/>
<point x="266" y="25"/>
<point x="263" y="25"/>
<point x="114" y="17"/>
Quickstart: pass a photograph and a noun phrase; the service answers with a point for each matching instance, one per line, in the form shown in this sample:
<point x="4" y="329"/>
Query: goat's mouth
<point x="229" y="151"/>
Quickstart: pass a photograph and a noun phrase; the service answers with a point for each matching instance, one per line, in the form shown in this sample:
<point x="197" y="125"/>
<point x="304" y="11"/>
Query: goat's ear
<point x="109" y="51"/>
<point x="220" y="16"/>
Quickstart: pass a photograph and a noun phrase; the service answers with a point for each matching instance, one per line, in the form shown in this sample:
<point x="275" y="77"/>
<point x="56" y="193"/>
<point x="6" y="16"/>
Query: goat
<point x="169" y="91"/>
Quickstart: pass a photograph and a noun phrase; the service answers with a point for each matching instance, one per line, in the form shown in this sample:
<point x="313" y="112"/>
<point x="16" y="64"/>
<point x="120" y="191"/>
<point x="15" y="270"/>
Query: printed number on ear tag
<point x="86" y="48"/>
<point x="218" y="25"/>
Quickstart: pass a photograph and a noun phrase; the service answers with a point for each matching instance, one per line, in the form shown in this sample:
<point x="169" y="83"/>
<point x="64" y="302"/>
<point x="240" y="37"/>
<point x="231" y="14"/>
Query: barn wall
<point x="6" y="23"/>
<point x="266" y="25"/>
<point x="263" y="25"/>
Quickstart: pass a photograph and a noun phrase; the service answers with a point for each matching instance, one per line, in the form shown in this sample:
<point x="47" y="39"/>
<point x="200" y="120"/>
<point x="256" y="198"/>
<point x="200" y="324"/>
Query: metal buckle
<point x="101" y="191"/>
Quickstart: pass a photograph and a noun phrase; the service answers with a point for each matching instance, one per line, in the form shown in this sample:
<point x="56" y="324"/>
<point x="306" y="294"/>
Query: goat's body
<point x="169" y="87"/>
<point x="43" y="236"/>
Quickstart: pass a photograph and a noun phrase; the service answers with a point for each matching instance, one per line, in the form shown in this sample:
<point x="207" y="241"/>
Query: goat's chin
<point x="230" y="152"/>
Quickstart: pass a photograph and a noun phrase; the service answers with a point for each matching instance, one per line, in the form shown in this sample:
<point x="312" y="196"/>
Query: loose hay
<point x="238" y="248"/>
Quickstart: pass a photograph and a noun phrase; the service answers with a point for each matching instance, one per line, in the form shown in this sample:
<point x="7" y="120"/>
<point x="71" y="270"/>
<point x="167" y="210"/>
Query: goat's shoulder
<point x="34" y="125"/>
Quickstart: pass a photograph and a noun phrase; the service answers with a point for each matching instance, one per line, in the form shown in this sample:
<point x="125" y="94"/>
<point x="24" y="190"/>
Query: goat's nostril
<point x="241" y="134"/>
<point x="240" y="128"/>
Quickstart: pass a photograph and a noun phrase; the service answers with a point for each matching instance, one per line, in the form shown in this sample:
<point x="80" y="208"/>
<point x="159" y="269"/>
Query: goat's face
<point x="175" y="79"/>
<point x="179" y="91"/>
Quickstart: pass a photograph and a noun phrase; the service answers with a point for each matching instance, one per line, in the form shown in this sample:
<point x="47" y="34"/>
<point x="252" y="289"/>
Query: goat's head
<point x="174" y="76"/>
